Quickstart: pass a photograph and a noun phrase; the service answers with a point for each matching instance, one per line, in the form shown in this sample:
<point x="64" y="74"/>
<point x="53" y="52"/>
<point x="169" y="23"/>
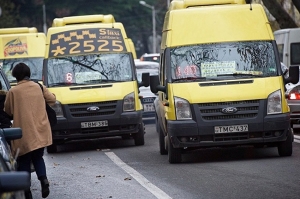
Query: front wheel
<point x="139" y="136"/>
<point x="162" y="146"/>
<point x="286" y="148"/>
<point x="174" y="154"/>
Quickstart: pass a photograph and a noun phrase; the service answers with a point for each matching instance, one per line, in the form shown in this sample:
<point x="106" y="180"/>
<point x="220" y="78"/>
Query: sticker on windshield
<point x="86" y="41"/>
<point x="83" y="77"/>
<point x="212" y="69"/>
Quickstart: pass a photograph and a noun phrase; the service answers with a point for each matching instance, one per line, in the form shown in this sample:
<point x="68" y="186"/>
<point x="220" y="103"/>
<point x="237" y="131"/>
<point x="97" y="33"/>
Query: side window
<point x="161" y="69"/>
<point x="280" y="50"/>
<point x="295" y="52"/>
<point x="3" y="83"/>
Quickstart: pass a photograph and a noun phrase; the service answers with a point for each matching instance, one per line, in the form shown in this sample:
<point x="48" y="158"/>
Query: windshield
<point x="89" y="69"/>
<point x="35" y="65"/>
<point x="223" y="61"/>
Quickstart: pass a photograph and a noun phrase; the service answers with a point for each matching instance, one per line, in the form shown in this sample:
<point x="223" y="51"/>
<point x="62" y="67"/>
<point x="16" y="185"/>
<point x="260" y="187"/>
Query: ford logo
<point x="229" y="110"/>
<point x="93" y="109"/>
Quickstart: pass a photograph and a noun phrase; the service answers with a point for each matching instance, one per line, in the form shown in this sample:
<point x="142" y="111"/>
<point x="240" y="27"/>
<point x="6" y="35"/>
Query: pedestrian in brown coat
<point x="26" y="103"/>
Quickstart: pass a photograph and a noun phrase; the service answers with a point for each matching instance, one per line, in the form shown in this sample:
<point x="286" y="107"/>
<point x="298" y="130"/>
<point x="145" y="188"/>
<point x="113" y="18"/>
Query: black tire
<point x="286" y="148"/>
<point x="162" y="147"/>
<point x="139" y="136"/>
<point x="52" y="148"/>
<point x="174" y="154"/>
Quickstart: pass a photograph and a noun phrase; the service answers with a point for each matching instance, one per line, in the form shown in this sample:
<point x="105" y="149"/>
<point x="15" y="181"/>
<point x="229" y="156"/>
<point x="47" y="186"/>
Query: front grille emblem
<point x="93" y="109"/>
<point x="229" y="110"/>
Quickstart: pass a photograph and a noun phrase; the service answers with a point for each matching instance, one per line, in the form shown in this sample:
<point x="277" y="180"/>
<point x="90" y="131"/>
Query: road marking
<point x="297" y="138"/>
<point x="138" y="177"/>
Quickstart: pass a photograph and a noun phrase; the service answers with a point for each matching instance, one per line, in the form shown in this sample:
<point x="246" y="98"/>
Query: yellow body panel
<point x="20" y="45"/>
<point x="260" y="88"/>
<point x="116" y="92"/>
<point x="231" y="23"/>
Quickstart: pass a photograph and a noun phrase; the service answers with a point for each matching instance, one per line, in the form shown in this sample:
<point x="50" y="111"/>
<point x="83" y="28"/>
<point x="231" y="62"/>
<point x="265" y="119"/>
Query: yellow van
<point x="22" y="44"/>
<point x="220" y="82"/>
<point x="132" y="48"/>
<point x="90" y="68"/>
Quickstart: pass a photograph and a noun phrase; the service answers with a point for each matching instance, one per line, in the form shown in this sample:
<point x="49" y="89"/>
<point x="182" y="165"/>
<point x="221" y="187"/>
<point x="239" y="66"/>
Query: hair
<point x="21" y="71"/>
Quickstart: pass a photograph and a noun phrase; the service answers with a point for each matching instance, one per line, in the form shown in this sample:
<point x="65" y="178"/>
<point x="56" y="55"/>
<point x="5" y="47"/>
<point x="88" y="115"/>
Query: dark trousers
<point x="36" y="157"/>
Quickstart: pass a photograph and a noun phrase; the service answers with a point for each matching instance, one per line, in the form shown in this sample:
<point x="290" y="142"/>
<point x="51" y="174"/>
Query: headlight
<point x="129" y="102"/>
<point x="58" y="109"/>
<point x="182" y="107"/>
<point x="274" y="103"/>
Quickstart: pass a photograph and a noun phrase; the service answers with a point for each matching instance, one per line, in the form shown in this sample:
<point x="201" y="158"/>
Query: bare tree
<point x="296" y="4"/>
<point x="282" y="17"/>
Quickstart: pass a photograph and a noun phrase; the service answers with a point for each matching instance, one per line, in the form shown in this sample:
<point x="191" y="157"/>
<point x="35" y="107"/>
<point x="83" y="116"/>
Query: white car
<point x="146" y="96"/>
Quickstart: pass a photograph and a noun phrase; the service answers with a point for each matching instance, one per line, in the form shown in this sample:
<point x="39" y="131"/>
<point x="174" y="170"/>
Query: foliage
<point x="137" y="19"/>
<point x="9" y="14"/>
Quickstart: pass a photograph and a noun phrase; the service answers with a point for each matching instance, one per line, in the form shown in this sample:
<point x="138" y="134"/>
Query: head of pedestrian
<point x="21" y="72"/>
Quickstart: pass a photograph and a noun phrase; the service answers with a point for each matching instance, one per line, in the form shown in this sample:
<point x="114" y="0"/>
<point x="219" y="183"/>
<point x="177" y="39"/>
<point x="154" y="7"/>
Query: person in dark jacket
<point x="5" y="119"/>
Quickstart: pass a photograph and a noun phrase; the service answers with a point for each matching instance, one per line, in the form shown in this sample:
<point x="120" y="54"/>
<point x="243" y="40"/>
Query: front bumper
<point x="295" y="113"/>
<point x="124" y="124"/>
<point x="271" y="129"/>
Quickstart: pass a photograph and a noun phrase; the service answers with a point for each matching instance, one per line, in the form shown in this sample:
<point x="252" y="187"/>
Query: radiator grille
<point x="105" y="108"/>
<point x="213" y="111"/>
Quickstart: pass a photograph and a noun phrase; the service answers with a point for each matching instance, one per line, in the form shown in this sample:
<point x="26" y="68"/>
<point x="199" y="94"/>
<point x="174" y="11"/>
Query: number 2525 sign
<point x="86" y="41"/>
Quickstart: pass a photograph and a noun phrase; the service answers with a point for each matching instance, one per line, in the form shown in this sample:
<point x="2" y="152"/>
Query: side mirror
<point x="12" y="133"/>
<point x="155" y="86"/>
<point x="14" y="181"/>
<point x="293" y="75"/>
<point x="145" y="80"/>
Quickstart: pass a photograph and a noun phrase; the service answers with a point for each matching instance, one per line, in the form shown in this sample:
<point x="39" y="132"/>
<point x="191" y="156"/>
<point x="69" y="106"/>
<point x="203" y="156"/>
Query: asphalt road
<point x="115" y="168"/>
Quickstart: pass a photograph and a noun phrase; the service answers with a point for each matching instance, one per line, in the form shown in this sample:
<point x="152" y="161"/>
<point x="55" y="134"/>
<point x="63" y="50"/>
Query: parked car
<point x="146" y="96"/>
<point x="293" y="99"/>
<point x="150" y="57"/>
<point x="12" y="182"/>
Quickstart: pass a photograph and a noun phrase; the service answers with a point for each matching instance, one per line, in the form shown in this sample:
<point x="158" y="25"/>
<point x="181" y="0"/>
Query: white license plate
<point x="94" y="124"/>
<point x="148" y="107"/>
<point x="231" y="129"/>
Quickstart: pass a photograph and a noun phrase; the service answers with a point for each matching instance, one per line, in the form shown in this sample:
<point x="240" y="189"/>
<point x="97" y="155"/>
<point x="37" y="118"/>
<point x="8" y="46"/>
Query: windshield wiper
<point x="101" y="81"/>
<point x="189" y="79"/>
<point x="240" y="74"/>
<point x="63" y="84"/>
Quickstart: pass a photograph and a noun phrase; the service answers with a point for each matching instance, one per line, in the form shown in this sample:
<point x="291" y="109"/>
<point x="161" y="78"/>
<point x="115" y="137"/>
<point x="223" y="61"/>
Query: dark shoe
<point x="45" y="187"/>
<point x="28" y="194"/>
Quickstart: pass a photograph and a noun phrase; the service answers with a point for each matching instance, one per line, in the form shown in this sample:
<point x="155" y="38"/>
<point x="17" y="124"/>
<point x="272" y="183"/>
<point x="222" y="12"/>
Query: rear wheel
<point x="286" y="148"/>
<point x="174" y="154"/>
<point x="139" y="136"/>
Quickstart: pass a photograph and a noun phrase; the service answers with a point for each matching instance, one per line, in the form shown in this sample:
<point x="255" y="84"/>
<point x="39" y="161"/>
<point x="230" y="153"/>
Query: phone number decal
<point x="86" y="41"/>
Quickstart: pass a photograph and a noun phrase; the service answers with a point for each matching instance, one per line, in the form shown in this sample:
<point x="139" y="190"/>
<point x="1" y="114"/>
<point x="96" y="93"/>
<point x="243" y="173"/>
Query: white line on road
<point x="138" y="177"/>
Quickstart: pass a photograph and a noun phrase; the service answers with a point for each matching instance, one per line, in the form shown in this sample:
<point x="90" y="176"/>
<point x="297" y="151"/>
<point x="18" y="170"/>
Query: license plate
<point x="148" y="107"/>
<point x="231" y="129"/>
<point x="94" y="124"/>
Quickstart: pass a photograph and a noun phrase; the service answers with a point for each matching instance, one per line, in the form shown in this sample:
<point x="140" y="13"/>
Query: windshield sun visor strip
<point x="90" y="87"/>
<point x="226" y="83"/>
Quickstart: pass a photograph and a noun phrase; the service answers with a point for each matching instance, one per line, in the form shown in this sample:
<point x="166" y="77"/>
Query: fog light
<point x="183" y="139"/>
<point x="277" y="133"/>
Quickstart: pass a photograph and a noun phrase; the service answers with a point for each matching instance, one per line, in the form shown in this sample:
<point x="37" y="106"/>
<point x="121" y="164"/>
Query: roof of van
<point x="21" y="42"/>
<point x="217" y="23"/>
